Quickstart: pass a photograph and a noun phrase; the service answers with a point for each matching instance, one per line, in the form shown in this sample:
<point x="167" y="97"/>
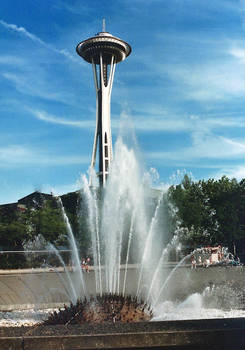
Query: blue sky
<point x="183" y="87"/>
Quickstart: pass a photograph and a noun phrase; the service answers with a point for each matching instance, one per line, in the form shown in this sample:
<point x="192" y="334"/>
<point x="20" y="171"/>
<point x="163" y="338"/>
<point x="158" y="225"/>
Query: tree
<point x="188" y="198"/>
<point x="48" y="222"/>
<point x="12" y="235"/>
<point x="210" y="211"/>
<point x="223" y="199"/>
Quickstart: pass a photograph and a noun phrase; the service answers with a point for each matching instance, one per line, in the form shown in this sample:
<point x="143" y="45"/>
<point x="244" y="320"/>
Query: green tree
<point x="210" y="211"/>
<point x="48" y="222"/>
<point x="222" y="196"/>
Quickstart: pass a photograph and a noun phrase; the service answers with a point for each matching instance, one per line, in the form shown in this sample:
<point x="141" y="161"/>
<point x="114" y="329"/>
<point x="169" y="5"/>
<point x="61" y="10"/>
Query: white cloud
<point x="11" y="194"/>
<point x="42" y="115"/>
<point x="155" y="118"/>
<point x="237" y="172"/>
<point x="26" y="83"/>
<point x="211" y="81"/>
<point x="214" y="146"/>
<point x="18" y="156"/>
<point x="21" y="30"/>
<point x="33" y="37"/>
<point x="77" y="8"/>
<point x="60" y="189"/>
<point x="156" y="123"/>
<point x="13" y="153"/>
<point x="11" y="60"/>
<point x="212" y="70"/>
<point x="238" y="53"/>
<point x="204" y="147"/>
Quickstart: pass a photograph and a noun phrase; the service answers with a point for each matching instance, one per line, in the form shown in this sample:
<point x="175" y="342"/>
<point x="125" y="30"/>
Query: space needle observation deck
<point x="103" y="51"/>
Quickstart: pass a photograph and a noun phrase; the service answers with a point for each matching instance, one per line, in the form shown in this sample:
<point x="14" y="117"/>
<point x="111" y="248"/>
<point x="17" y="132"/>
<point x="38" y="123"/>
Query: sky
<point x="182" y="88"/>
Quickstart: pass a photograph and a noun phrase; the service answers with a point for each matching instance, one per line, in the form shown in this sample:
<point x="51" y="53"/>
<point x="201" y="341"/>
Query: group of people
<point x="205" y="262"/>
<point x="207" y="256"/>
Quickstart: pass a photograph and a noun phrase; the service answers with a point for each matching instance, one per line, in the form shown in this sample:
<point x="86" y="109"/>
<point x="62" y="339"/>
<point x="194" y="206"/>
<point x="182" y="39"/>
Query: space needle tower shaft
<point x="103" y="51"/>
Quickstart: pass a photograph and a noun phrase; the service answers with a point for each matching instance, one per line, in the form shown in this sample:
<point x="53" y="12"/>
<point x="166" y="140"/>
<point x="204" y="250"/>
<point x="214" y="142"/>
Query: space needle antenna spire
<point x="103" y="51"/>
<point x="103" y="25"/>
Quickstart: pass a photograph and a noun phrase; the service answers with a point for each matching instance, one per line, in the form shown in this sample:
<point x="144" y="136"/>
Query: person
<point x="193" y="262"/>
<point x="83" y="264"/>
<point x="87" y="265"/>
<point x="236" y="260"/>
<point x="207" y="262"/>
<point x="219" y="256"/>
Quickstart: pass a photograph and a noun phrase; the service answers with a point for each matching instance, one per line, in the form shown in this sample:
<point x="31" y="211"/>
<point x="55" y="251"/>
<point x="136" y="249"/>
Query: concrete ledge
<point x="11" y="343"/>
<point x="177" y="335"/>
<point x="209" y="339"/>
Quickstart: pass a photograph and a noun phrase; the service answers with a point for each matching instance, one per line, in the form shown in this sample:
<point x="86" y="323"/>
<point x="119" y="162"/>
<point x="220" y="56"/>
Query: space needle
<point x="103" y="51"/>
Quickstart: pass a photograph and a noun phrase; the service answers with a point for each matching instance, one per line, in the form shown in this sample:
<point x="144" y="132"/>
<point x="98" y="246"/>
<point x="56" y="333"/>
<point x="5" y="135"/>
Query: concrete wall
<point x="43" y="288"/>
<point x="175" y="335"/>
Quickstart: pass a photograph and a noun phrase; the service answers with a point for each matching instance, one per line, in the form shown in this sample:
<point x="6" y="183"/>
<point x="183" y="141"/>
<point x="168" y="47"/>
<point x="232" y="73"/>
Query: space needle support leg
<point x="111" y="76"/>
<point x="102" y="134"/>
<point x="105" y="140"/>
<point x="93" y="160"/>
<point x="110" y="82"/>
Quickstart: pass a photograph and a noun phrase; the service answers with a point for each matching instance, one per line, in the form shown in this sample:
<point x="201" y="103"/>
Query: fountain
<point x="124" y="234"/>
<point x="130" y="251"/>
